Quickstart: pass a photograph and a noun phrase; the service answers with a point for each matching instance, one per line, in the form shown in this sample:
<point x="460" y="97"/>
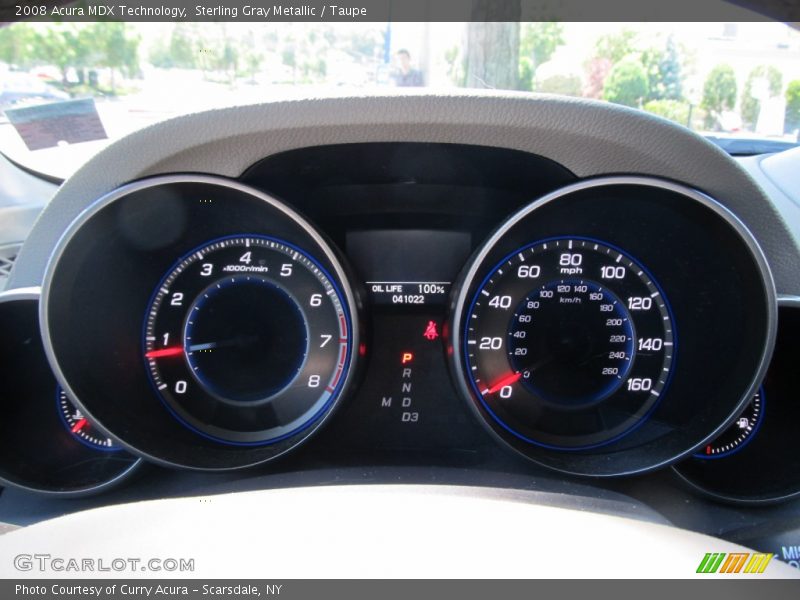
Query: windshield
<point x="721" y="79"/>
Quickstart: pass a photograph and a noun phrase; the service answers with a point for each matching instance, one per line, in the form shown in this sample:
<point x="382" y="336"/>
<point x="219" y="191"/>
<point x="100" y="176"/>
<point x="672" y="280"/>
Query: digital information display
<point x="408" y="266"/>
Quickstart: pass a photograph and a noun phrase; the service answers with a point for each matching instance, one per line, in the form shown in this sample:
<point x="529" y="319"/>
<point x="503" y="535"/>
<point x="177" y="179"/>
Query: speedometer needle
<point x="78" y="426"/>
<point x="507" y="380"/>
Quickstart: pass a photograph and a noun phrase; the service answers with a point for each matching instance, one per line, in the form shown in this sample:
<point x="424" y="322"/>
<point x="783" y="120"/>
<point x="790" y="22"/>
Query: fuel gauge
<point x="80" y="427"/>
<point x="740" y="432"/>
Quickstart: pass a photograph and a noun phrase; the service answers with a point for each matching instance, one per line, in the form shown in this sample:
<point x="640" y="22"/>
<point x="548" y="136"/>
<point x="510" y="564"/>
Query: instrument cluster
<point x="402" y="303"/>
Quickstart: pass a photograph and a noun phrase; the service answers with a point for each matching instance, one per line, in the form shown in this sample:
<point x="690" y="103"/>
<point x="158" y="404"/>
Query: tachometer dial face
<point x="739" y="433"/>
<point x="569" y="343"/>
<point x="80" y="427"/>
<point x="247" y="339"/>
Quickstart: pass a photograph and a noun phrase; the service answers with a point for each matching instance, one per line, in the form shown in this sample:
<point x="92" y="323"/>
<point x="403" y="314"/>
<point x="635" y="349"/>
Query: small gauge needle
<point x="199" y="347"/>
<point x="173" y="351"/>
<point x="78" y="426"/>
<point x="508" y="380"/>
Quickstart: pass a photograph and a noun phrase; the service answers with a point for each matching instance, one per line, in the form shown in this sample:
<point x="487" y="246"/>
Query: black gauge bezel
<point x="27" y="467"/>
<point x="667" y="227"/>
<point x="761" y="472"/>
<point x="665" y="312"/>
<point x="139" y="230"/>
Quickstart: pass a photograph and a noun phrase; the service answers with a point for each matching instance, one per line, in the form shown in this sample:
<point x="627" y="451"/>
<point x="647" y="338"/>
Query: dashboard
<point x="492" y="290"/>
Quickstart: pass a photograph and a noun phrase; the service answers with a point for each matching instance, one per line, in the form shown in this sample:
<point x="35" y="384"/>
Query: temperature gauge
<point x="80" y="427"/>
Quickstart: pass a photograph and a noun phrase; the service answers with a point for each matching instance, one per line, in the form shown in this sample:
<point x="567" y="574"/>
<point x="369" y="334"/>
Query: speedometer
<point x="569" y="343"/>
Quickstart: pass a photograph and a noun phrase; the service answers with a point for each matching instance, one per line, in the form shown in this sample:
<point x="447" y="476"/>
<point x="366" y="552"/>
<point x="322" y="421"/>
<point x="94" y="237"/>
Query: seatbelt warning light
<point x="431" y="331"/>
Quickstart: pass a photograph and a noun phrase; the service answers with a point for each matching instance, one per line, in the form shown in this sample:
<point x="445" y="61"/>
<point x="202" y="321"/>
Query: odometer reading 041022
<point x="569" y="343"/>
<point x="247" y="340"/>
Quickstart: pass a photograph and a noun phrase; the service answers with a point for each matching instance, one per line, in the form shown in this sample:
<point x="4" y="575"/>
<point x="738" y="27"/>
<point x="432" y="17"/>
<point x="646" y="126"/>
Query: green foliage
<point x="719" y="93"/>
<point x="538" y="41"/>
<point x="751" y="106"/>
<point x="616" y="46"/>
<point x="17" y="45"/>
<point x="793" y="105"/>
<point x="664" y="72"/>
<point x="597" y="70"/>
<point x="565" y="85"/>
<point x="526" y="73"/>
<point x="670" y="80"/>
<point x="674" y="110"/>
<point x="626" y="83"/>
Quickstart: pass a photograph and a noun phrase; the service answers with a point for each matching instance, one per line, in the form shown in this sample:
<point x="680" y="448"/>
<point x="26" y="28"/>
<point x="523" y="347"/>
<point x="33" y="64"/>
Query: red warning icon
<point x="431" y="331"/>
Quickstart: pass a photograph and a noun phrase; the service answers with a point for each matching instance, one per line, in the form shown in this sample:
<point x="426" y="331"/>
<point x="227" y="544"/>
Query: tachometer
<point x="246" y="340"/>
<point x="569" y="343"/>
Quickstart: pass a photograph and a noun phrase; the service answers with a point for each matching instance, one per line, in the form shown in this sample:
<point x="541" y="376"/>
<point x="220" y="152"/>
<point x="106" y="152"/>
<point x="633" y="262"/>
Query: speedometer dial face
<point x="569" y="343"/>
<point x="247" y="339"/>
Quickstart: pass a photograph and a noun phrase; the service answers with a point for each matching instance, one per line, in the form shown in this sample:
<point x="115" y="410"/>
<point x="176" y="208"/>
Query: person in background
<point x="406" y="76"/>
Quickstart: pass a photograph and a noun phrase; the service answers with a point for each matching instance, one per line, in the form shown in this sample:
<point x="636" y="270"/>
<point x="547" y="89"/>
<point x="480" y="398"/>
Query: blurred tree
<point x="719" y="93"/>
<point x="793" y="106"/>
<point x="455" y="65"/>
<point x="56" y="46"/>
<point x="597" y="70"/>
<point x="17" y="45"/>
<point x="492" y="55"/>
<point x="674" y="110"/>
<point x="289" y="58"/>
<point x="182" y="48"/>
<point x="616" y="46"/>
<point x="609" y="49"/>
<point x="538" y="42"/>
<point x="563" y="85"/>
<point x="751" y="106"/>
<point x="119" y="50"/>
<point x="251" y="54"/>
<point x="670" y="79"/>
<point x="626" y="84"/>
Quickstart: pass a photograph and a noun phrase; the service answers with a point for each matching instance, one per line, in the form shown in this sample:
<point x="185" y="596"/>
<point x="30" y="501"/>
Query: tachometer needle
<point x="508" y="380"/>
<point x="78" y="426"/>
<point x="173" y="351"/>
<point x="200" y="347"/>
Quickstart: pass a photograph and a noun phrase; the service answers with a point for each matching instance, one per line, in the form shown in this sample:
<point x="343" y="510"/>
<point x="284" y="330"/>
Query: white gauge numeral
<point x="640" y="384"/>
<point x="654" y="344"/>
<point x="529" y="271"/>
<point x="313" y="381"/>
<point x="316" y="300"/>
<point x="286" y="270"/>
<point x="208" y="269"/>
<point x="177" y="299"/>
<point x="640" y="303"/>
<point x="612" y="272"/>
<point x="246" y="258"/>
<point x="180" y="387"/>
<point x="325" y="339"/>
<point x="491" y="343"/>
<point x="500" y="302"/>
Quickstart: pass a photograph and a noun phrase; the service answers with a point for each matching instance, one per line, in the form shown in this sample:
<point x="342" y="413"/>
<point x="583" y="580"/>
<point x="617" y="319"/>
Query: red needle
<point x="508" y="380"/>
<point x="78" y="426"/>
<point x="173" y="351"/>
